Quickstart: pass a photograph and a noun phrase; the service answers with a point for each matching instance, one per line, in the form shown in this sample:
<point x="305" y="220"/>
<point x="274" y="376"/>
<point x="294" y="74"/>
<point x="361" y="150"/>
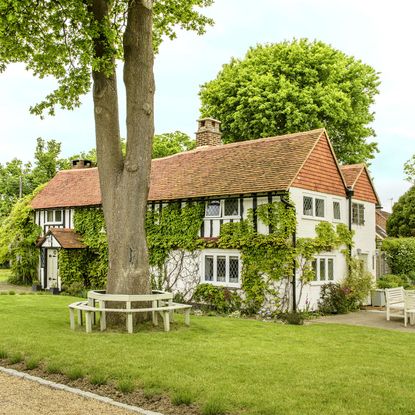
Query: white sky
<point x="380" y="33"/>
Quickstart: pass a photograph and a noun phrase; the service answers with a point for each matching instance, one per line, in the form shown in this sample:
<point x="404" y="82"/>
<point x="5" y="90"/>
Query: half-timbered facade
<point x="232" y="180"/>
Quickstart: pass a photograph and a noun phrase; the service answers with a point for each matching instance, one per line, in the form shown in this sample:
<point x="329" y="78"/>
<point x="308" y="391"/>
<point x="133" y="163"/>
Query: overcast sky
<point x="380" y="33"/>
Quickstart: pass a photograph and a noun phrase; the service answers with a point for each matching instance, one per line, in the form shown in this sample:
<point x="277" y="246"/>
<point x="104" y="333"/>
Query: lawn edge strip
<point x="76" y="391"/>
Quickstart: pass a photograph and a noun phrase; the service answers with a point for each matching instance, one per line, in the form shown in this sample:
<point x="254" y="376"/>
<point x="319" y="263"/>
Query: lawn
<point x="4" y="274"/>
<point x="250" y="366"/>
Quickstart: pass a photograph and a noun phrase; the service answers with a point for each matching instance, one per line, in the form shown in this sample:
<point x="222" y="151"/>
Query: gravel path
<point x="25" y="397"/>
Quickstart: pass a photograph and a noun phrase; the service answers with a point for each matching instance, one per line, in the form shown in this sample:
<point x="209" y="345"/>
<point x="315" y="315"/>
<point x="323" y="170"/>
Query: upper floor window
<point x="221" y="268"/>
<point x="323" y="268"/>
<point x="336" y="210"/>
<point x="358" y="214"/>
<point x="54" y="216"/>
<point x="313" y="206"/>
<point x="225" y="208"/>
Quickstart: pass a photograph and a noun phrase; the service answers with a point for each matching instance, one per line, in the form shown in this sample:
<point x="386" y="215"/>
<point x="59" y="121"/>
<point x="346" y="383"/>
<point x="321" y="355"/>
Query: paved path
<point x="375" y="319"/>
<point x="25" y="397"/>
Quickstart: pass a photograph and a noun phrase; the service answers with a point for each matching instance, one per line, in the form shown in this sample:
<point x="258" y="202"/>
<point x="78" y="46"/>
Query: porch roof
<point x="67" y="238"/>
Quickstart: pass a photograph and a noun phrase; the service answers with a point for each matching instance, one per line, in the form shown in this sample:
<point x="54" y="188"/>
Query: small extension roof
<point x="67" y="238"/>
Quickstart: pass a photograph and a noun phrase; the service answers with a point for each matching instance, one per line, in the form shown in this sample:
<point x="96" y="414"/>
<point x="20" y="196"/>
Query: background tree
<point x="70" y="41"/>
<point x="409" y="169"/>
<point x="168" y="144"/>
<point x="402" y="220"/>
<point x="296" y="86"/>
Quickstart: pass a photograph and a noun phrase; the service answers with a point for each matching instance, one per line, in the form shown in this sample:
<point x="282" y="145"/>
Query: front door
<point x="52" y="268"/>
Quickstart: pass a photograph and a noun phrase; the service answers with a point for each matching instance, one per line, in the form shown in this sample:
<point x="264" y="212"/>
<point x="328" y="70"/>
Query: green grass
<point x="75" y="373"/>
<point x="4" y="274"/>
<point x="125" y="385"/>
<point x="245" y="366"/>
<point x="32" y="363"/>
<point x="16" y="358"/>
<point x="182" y="398"/>
<point x="98" y="379"/>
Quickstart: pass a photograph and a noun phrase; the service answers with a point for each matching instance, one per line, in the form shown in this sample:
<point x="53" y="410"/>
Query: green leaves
<point x="168" y="144"/>
<point x="402" y="220"/>
<point x="296" y="86"/>
<point x="56" y="38"/>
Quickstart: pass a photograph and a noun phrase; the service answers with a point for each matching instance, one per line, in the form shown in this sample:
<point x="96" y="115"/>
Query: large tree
<point x="402" y="220"/>
<point x="296" y="86"/>
<point x="73" y="39"/>
<point x="409" y="169"/>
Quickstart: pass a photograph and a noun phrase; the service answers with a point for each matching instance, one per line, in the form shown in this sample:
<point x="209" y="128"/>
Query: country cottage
<point x="232" y="181"/>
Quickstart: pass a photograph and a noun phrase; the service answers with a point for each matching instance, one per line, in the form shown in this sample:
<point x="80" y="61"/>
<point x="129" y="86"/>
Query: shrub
<point x="125" y="386"/>
<point x="182" y="398"/>
<point x="12" y="292"/>
<point x="357" y="283"/>
<point x="75" y="289"/>
<point x="333" y="299"/>
<point x="296" y="318"/>
<point x="400" y="255"/>
<point x="393" y="281"/>
<point x="221" y="299"/>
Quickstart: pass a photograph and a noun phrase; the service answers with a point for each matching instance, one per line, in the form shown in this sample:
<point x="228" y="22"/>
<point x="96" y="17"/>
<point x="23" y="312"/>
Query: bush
<point x="333" y="299"/>
<point x="75" y="289"/>
<point x="400" y="255"/>
<point x="393" y="281"/>
<point x="221" y="299"/>
<point x="295" y="318"/>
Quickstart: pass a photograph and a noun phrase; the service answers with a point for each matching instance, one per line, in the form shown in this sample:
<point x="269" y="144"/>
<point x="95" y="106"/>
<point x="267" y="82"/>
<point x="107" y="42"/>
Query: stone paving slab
<point x="22" y="394"/>
<point x="367" y="318"/>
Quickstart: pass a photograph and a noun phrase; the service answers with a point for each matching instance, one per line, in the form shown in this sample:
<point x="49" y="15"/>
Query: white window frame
<point x="339" y="201"/>
<point x="313" y="207"/>
<point x="360" y="221"/>
<point x="326" y="280"/>
<point x="215" y="254"/>
<point x="54" y="221"/>
<point x="222" y="209"/>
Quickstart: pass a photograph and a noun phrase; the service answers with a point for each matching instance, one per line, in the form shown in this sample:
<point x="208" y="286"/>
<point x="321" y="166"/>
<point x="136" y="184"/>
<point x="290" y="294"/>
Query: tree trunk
<point x="125" y="182"/>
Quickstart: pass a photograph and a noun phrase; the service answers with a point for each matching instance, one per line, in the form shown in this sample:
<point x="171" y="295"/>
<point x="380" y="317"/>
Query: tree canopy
<point x="168" y="144"/>
<point x="402" y="220"/>
<point x="409" y="170"/>
<point x="296" y="86"/>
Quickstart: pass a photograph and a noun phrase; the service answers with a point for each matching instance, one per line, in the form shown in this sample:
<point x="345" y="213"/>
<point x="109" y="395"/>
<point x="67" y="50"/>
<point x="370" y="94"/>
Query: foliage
<point x="400" y="255"/>
<point x="18" y="235"/>
<point x="334" y="299"/>
<point x="173" y="227"/>
<point x="57" y="39"/>
<point x="393" y="281"/>
<point x="409" y="170"/>
<point x="221" y="299"/>
<point x="402" y="220"/>
<point x="296" y="318"/>
<point x="16" y="176"/>
<point x="168" y="144"/>
<point x="87" y="267"/>
<point x="358" y="283"/>
<point x="296" y="86"/>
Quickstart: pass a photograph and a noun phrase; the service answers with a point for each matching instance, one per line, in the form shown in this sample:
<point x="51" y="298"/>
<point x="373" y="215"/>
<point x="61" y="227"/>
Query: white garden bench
<point x="409" y="309"/>
<point x="395" y="302"/>
<point x="162" y="304"/>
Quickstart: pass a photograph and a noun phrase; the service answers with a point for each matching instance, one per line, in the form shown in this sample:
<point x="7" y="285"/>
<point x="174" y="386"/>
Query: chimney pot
<point x="81" y="164"/>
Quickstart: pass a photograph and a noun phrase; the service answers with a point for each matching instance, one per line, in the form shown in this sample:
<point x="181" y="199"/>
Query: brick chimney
<point x="208" y="132"/>
<point x="81" y="164"/>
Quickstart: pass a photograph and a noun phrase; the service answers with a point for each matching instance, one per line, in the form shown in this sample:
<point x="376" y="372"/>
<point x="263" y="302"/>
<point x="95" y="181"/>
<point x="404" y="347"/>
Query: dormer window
<point x="54" y="216"/>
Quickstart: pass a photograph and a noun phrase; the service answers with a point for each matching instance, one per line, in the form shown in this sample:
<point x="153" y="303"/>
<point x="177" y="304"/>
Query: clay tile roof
<point x="77" y="187"/>
<point x="67" y="238"/>
<point x="263" y="165"/>
<point x="351" y="173"/>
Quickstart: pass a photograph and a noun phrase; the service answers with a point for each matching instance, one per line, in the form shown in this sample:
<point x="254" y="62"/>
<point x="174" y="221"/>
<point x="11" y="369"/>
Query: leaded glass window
<point x="308" y="206"/>
<point x="208" y="268"/>
<point x="319" y="208"/>
<point x="336" y="210"/>
<point x="212" y="208"/>
<point x="231" y="207"/>
<point x="221" y="269"/>
<point x="233" y="269"/>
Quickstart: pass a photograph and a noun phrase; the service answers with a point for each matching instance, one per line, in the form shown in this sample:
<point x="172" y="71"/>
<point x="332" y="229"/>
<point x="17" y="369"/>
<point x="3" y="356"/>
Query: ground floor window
<point x="222" y="268"/>
<point x="323" y="268"/>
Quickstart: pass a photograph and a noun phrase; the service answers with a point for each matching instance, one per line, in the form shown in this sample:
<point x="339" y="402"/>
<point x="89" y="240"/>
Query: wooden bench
<point x="395" y="302"/>
<point x="162" y="304"/>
